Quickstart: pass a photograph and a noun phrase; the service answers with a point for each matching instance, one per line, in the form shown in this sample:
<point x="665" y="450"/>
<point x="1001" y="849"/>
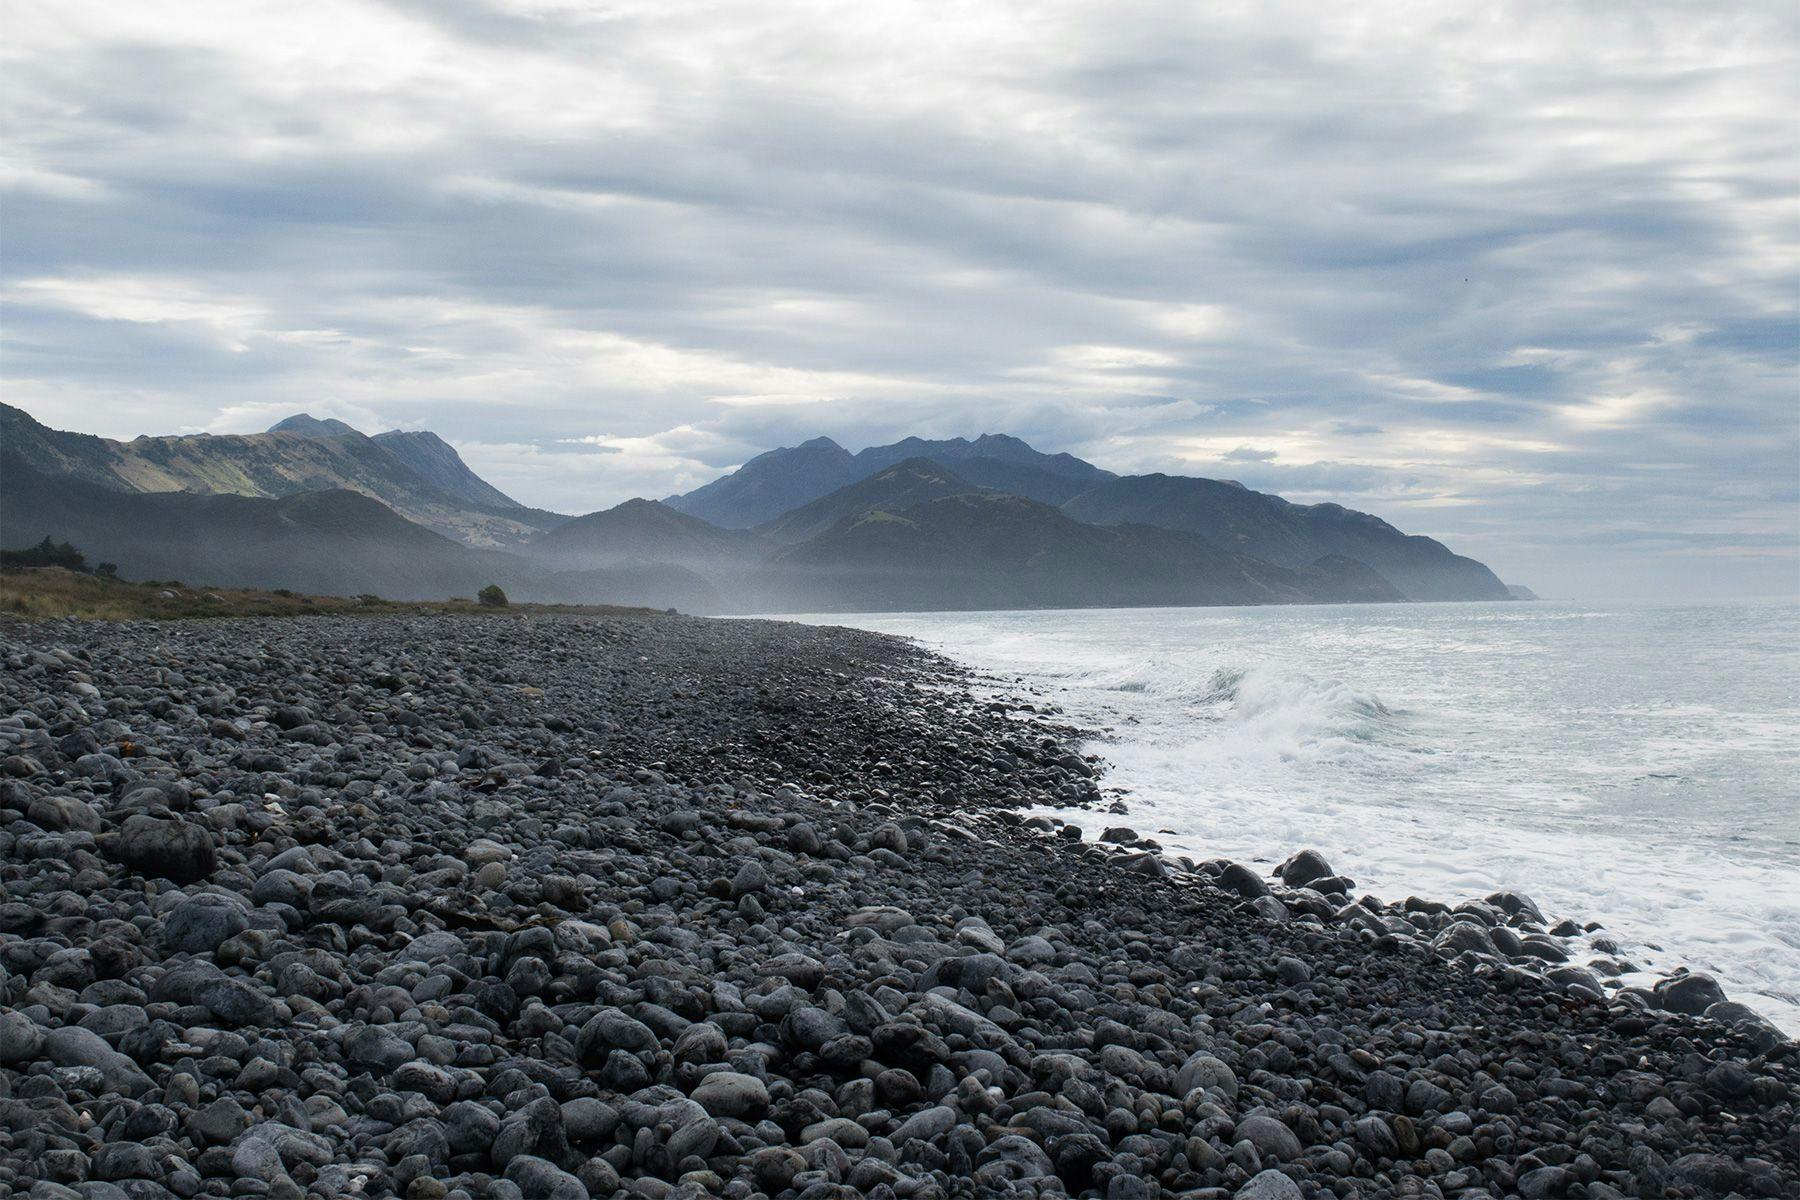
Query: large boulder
<point x="1203" y="1070"/>
<point x="1303" y="868"/>
<point x="64" y="813"/>
<point x="1517" y="904"/>
<point x="73" y="1046"/>
<point x="1274" y="1141"/>
<point x="1460" y="936"/>
<point x="1692" y="994"/>
<point x="1270" y="1185"/>
<point x="166" y="848"/>
<point x="21" y="1038"/>
<point x="732" y="1094"/>
<point x="1241" y="879"/>
<point x="200" y="924"/>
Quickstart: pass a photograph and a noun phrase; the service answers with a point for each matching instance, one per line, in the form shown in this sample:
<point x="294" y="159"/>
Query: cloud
<point x="1504" y="274"/>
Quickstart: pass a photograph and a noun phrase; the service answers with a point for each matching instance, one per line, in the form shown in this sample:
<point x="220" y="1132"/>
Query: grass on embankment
<point x="41" y="593"/>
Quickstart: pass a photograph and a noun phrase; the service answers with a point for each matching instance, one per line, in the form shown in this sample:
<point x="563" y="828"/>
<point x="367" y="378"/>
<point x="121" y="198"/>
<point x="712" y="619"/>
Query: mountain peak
<point x="780" y="481"/>
<point x="436" y="461"/>
<point x="770" y="484"/>
<point x="909" y="482"/>
<point x="1002" y="447"/>
<point x="421" y="436"/>
<point x="307" y="425"/>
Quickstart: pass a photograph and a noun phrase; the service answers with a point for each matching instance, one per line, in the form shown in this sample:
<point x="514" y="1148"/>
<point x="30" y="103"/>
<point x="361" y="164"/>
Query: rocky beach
<point x="653" y="906"/>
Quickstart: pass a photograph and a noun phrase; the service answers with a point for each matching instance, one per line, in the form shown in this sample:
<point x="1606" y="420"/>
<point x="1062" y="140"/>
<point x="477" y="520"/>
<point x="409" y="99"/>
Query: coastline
<point x="636" y="905"/>
<point x="1450" y="754"/>
<point x="1509" y="929"/>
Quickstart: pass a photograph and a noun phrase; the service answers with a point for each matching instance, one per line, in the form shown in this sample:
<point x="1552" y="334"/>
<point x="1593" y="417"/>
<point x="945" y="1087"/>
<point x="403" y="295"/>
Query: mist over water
<point x="1633" y="765"/>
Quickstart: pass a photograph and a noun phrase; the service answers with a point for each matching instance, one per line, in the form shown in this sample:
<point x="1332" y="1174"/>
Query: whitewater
<point x="1634" y="765"/>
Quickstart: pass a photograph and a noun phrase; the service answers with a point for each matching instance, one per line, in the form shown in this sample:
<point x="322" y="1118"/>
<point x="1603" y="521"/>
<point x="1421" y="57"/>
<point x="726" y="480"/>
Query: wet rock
<point x="1304" y="868"/>
<point x="1243" y="881"/>
<point x="1691" y="994"/>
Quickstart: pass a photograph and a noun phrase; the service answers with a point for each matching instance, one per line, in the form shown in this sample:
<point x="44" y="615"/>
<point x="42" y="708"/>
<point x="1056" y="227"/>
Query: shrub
<point x="46" y="554"/>
<point x="107" y="570"/>
<point x="491" y="596"/>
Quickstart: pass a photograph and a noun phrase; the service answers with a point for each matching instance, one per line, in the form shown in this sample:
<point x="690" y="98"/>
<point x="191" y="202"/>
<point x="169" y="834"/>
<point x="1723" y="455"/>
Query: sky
<point x="1521" y="276"/>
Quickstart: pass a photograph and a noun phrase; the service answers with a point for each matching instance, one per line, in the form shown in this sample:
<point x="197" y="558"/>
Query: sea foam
<point x="1632" y="766"/>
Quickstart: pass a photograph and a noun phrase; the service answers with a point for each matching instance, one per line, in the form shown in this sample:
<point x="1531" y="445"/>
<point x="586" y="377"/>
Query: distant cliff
<point x="1286" y="534"/>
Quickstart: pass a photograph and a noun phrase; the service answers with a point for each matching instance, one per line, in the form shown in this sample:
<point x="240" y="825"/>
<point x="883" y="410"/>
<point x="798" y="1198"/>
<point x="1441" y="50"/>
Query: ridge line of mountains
<point x="990" y="523"/>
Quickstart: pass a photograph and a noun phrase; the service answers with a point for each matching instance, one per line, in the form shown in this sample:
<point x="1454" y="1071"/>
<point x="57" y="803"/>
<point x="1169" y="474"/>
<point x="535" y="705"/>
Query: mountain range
<point x="917" y="524"/>
<point x="417" y="475"/>
<point x="779" y="481"/>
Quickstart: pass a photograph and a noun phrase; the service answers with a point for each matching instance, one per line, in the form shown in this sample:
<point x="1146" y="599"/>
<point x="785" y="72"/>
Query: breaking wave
<point x="1290" y="712"/>
<point x="1457" y="749"/>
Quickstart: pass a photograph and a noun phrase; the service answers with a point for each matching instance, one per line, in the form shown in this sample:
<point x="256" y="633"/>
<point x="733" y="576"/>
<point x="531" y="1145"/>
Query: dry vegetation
<point x="38" y="593"/>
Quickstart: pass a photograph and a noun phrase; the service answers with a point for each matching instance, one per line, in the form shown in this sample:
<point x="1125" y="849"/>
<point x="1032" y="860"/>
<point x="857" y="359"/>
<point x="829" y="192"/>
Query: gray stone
<point x="926" y="1125"/>
<point x="538" y="1179"/>
<point x="1303" y="868"/>
<point x="21" y="1038"/>
<point x="1242" y="880"/>
<point x="167" y="848"/>
<point x="1691" y="994"/>
<point x="200" y="924"/>
<point x="1272" y="1139"/>
<point x="1203" y="1070"/>
<point x="72" y="1046"/>
<point x="219" y="1122"/>
<point x="731" y="1094"/>
<point x="1542" y="1183"/>
<point x="1270" y="1185"/>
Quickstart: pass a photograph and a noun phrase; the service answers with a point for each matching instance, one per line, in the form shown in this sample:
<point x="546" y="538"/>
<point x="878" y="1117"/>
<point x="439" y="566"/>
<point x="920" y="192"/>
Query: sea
<point x="1635" y="765"/>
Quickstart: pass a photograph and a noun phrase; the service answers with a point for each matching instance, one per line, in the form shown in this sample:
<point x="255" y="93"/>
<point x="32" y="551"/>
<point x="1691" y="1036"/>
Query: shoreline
<point x="1547" y="950"/>
<point x="1310" y="757"/>
<point x="631" y="906"/>
<point x="1622" y="963"/>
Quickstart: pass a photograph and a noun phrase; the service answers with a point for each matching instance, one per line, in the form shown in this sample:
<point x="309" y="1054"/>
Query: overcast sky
<point x="1523" y="277"/>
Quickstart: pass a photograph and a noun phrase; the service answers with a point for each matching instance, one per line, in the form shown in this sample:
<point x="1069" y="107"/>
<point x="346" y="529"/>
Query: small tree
<point x="46" y="554"/>
<point x="107" y="570"/>
<point x="491" y="596"/>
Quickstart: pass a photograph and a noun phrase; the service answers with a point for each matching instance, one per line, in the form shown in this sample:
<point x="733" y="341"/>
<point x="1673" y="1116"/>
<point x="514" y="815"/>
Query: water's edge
<point x="1664" y="899"/>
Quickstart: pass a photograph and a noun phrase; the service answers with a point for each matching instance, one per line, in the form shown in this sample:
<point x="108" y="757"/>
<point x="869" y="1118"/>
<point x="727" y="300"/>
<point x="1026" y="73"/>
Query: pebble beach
<point x="653" y="906"/>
